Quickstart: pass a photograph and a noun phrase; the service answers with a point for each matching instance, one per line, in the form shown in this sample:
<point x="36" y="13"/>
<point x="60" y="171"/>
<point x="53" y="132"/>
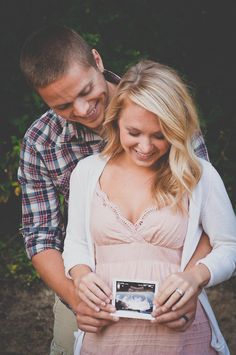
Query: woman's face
<point x="140" y="135"/>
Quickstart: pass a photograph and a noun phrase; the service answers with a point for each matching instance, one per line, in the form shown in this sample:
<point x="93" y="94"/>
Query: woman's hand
<point x="179" y="288"/>
<point x="93" y="290"/>
<point x="174" y="319"/>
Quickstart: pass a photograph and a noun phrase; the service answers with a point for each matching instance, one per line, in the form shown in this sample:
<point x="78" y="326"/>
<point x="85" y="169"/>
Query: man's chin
<point x="95" y="127"/>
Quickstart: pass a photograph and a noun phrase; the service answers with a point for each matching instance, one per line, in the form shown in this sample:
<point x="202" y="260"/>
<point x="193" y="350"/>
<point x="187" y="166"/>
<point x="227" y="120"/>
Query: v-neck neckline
<point x="118" y="211"/>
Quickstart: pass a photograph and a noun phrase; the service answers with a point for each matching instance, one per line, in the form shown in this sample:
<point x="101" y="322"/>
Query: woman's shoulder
<point x="93" y="161"/>
<point x="210" y="179"/>
<point x="208" y="170"/>
<point x="90" y="164"/>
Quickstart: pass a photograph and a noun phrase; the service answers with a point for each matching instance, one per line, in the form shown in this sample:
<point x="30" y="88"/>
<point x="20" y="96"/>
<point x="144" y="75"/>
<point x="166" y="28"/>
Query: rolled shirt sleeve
<point x="41" y="217"/>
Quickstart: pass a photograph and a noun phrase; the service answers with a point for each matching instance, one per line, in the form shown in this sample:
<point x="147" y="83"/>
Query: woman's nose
<point x="146" y="145"/>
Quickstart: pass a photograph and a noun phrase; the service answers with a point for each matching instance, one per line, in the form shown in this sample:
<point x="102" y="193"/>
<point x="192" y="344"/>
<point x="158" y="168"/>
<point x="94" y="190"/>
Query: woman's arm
<point x="218" y="220"/>
<point x="78" y="249"/>
<point x="77" y="244"/>
<point x="202" y="275"/>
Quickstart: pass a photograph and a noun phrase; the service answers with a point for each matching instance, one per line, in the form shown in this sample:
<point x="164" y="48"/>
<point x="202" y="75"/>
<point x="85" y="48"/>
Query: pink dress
<point x="150" y="249"/>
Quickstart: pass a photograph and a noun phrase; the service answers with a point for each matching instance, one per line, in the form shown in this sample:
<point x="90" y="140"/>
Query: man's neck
<point x="111" y="90"/>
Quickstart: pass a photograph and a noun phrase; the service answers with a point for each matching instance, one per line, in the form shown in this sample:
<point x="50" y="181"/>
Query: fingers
<point x="189" y="306"/>
<point x="172" y="316"/>
<point x="176" y="291"/>
<point x="179" y="324"/>
<point x="177" y="300"/>
<point x="175" y="320"/>
<point x="90" y="324"/>
<point x="184" y="299"/>
<point x="89" y="298"/>
<point x="90" y="321"/>
<point x="179" y="319"/>
<point x="97" y="286"/>
<point x="167" y="300"/>
<point x="93" y="291"/>
<point x="83" y="309"/>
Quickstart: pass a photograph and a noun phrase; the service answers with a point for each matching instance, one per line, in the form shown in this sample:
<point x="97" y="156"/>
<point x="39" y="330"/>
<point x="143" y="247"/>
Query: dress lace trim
<point x="115" y="208"/>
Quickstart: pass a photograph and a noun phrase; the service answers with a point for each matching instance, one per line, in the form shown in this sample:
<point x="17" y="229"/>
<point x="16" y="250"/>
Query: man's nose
<point x="80" y="107"/>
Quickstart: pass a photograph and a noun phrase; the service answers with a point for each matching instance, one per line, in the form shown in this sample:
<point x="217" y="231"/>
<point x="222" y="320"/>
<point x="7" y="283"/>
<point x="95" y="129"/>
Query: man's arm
<point x="43" y="227"/>
<point x="42" y="222"/>
<point x="43" y="234"/>
<point x="49" y="265"/>
<point x="201" y="251"/>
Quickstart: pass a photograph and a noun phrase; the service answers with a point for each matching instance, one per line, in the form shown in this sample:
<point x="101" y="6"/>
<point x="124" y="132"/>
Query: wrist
<point x="77" y="272"/>
<point x="70" y="298"/>
<point x="201" y="274"/>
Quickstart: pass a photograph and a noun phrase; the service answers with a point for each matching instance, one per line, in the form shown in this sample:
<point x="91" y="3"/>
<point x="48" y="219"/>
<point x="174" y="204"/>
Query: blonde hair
<point x="159" y="89"/>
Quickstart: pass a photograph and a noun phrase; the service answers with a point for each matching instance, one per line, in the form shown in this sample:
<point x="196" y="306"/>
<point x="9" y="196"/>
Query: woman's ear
<point x="98" y="60"/>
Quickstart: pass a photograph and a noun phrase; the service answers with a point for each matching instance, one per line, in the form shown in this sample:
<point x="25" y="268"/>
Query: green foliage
<point x="10" y="147"/>
<point x="92" y="38"/>
<point x="185" y="36"/>
<point x="14" y="264"/>
<point x="8" y="168"/>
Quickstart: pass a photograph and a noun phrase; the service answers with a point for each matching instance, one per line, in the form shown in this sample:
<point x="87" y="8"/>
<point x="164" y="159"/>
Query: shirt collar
<point x="72" y="131"/>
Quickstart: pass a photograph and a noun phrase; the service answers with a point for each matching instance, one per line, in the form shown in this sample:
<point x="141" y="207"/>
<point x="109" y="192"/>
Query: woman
<point x="148" y="199"/>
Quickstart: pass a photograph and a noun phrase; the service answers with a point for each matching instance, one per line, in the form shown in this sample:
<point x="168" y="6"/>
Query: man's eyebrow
<point x="82" y="91"/>
<point x="85" y="87"/>
<point x="59" y="105"/>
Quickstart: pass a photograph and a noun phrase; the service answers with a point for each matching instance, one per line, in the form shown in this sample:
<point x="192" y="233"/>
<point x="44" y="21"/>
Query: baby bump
<point x="136" y="261"/>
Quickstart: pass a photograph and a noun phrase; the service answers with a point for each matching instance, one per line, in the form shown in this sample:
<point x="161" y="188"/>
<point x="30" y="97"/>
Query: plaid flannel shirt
<point x="50" y="150"/>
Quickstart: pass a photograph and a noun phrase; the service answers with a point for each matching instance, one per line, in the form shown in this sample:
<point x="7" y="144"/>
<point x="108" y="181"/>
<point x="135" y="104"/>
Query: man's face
<point x="81" y="95"/>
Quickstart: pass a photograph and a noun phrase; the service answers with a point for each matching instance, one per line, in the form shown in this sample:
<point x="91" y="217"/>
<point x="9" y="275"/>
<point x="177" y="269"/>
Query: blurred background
<point x="197" y="38"/>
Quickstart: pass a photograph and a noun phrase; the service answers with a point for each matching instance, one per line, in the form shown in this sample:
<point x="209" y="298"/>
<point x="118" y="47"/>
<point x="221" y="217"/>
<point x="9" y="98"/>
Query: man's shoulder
<point x="46" y="129"/>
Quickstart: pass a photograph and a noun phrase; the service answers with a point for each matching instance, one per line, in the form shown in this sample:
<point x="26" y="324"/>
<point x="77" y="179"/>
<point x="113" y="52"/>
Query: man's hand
<point x="174" y="319"/>
<point x="91" y="321"/>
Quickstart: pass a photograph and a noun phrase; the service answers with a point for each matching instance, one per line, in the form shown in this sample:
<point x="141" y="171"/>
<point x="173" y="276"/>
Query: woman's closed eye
<point x="134" y="134"/>
<point x="158" y="136"/>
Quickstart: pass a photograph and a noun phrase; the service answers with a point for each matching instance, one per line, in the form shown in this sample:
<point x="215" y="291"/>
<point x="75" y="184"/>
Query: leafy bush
<point x="8" y="166"/>
<point x="14" y="264"/>
<point x="187" y="37"/>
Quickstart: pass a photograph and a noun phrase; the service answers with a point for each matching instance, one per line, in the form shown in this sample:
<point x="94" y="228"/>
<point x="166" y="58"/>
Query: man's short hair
<point x="47" y="54"/>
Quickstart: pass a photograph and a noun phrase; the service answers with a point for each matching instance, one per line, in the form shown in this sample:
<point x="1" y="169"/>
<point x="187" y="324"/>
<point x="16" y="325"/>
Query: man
<point x="70" y="78"/>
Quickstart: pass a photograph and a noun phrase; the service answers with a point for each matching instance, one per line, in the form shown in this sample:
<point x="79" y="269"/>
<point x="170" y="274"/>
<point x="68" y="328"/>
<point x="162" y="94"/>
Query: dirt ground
<point x="26" y="317"/>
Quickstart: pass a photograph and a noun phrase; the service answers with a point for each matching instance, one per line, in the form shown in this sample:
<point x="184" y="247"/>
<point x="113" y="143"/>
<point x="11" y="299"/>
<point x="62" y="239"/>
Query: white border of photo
<point x="143" y="297"/>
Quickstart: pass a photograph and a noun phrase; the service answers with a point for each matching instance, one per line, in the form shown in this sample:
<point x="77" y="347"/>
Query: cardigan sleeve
<point x="76" y="246"/>
<point x="219" y="222"/>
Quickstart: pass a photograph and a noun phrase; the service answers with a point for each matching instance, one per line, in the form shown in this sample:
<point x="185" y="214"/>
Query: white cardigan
<point x="209" y="209"/>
